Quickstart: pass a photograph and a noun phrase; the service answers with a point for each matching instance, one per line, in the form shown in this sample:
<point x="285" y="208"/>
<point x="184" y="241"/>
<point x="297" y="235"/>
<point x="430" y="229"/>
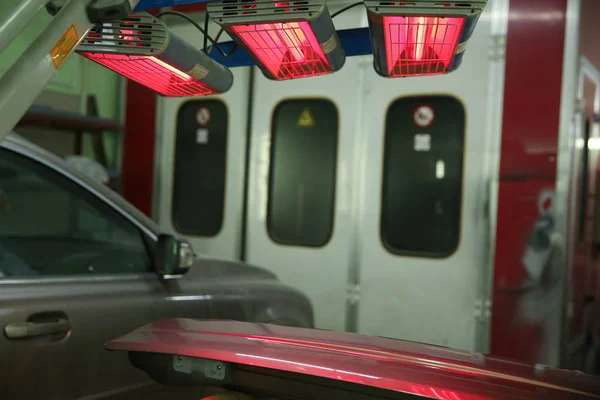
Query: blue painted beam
<point x="356" y="42"/>
<point x="146" y="4"/>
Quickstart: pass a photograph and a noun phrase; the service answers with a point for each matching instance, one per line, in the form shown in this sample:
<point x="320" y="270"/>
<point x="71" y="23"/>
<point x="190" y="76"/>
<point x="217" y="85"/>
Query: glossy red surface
<point x="534" y="54"/>
<point x="590" y="31"/>
<point x="530" y="126"/>
<point x="432" y="371"/>
<point x="138" y="146"/>
<point x="190" y="8"/>
<point x="518" y="331"/>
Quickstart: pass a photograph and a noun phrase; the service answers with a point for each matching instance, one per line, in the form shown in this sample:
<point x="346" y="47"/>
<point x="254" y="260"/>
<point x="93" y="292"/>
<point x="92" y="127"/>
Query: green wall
<point x="68" y="77"/>
<point x="104" y="84"/>
<point x="75" y="74"/>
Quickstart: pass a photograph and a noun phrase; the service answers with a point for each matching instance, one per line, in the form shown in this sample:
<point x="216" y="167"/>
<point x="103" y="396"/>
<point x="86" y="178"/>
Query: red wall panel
<point x="138" y="152"/>
<point x="590" y="31"/>
<point x="190" y="8"/>
<point x="138" y="149"/>
<point x="533" y="80"/>
<point x="534" y="54"/>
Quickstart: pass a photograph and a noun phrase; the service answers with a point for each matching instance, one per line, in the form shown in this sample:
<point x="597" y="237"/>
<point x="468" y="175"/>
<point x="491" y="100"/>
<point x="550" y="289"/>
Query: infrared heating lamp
<point x="287" y="40"/>
<point x="141" y="48"/>
<point x="420" y="37"/>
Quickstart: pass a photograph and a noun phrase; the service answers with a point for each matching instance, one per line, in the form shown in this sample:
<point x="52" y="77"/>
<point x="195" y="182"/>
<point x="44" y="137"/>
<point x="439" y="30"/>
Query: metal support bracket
<point x="353" y="294"/>
<point x="105" y="10"/>
<point x="209" y="369"/>
<point x="483" y="309"/>
<point x="37" y="66"/>
<point x="497" y="47"/>
<point x="16" y="21"/>
<point x="33" y="71"/>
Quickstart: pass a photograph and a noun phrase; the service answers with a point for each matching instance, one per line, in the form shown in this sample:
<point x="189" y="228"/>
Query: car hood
<point x="214" y="268"/>
<point x="420" y="369"/>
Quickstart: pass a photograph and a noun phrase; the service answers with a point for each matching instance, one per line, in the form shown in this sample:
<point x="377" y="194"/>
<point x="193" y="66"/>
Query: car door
<point x="75" y="272"/>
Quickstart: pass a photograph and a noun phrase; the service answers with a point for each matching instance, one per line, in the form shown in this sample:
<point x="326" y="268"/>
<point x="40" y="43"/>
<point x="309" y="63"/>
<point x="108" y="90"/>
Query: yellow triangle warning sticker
<point x="305" y="119"/>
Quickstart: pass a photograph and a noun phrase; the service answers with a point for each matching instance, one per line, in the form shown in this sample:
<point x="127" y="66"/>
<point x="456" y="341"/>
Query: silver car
<point x="80" y="266"/>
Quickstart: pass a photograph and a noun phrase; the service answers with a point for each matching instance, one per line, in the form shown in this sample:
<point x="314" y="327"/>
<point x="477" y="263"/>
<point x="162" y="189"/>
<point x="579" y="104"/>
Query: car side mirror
<point x="173" y="256"/>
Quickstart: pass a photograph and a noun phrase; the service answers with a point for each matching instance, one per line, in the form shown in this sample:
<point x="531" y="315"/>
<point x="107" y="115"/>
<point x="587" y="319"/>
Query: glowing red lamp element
<point x="153" y="73"/>
<point x="288" y="50"/>
<point x="420" y="45"/>
<point x="287" y="40"/>
<point x="420" y="37"/>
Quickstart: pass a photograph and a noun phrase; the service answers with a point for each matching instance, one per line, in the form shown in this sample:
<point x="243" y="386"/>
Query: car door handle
<point x="25" y="330"/>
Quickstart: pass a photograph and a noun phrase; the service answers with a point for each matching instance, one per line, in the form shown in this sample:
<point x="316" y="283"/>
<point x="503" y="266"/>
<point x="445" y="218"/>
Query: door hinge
<point x="579" y="106"/>
<point x="353" y="294"/>
<point x="483" y="309"/>
<point x="497" y="47"/>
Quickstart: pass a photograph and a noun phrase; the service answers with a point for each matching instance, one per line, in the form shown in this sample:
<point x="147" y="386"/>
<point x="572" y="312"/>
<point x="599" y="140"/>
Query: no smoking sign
<point x="424" y="116"/>
<point x="203" y="116"/>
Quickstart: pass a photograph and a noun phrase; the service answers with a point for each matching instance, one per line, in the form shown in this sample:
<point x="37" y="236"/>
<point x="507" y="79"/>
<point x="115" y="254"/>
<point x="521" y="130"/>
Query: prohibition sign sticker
<point x="424" y="116"/>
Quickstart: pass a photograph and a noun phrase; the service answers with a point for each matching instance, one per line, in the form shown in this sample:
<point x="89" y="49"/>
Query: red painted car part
<point x="414" y="368"/>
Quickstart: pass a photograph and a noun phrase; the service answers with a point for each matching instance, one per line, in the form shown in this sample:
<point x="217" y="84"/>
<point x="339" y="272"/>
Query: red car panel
<point x="421" y="369"/>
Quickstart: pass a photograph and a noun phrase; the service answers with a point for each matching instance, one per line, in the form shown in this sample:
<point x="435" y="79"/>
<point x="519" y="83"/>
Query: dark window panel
<point x="302" y="172"/>
<point x="200" y="168"/>
<point x="422" y="176"/>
